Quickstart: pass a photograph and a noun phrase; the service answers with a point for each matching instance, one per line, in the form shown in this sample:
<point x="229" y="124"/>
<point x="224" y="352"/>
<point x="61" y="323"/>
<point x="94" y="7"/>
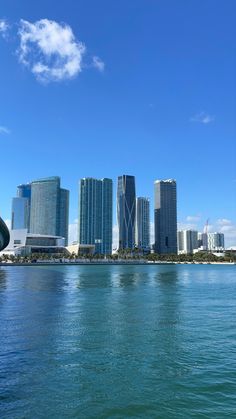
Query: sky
<point x="104" y="88"/>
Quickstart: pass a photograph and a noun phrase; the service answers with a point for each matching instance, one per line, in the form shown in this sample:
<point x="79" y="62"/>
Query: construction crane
<point x="206" y="226"/>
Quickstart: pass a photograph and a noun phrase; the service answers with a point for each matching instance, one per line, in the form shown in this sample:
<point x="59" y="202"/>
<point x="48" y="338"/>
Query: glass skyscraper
<point x="165" y="216"/>
<point x="142" y="225"/>
<point x="49" y="208"/>
<point x="20" y="215"/>
<point x="126" y="207"/>
<point x="95" y="214"/>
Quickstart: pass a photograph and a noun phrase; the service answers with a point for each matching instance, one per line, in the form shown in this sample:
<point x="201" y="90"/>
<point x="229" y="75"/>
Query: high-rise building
<point x="165" y="216"/>
<point x="95" y="214"/>
<point x="126" y="209"/>
<point x="20" y="215"/>
<point x="187" y="241"/>
<point x="215" y="241"/>
<point x="142" y="223"/>
<point x="64" y="214"/>
<point x="49" y="208"/>
<point x="211" y="241"/>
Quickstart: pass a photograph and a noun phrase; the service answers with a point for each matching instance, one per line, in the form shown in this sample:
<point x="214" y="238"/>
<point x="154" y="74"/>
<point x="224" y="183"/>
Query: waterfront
<point x="118" y="341"/>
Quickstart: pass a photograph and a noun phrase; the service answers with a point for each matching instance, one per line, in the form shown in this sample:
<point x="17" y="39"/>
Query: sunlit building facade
<point x="95" y="214"/>
<point x="142" y="223"/>
<point x="49" y="208"/>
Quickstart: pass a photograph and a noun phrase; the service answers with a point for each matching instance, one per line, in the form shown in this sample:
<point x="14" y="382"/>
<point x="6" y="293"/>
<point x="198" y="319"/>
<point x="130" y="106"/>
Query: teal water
<point x="118" y="342"/>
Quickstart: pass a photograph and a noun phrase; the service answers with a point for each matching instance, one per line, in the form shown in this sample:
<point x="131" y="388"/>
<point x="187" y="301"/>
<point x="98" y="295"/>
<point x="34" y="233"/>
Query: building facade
<point x="165" y="216"/>
<point x="23" y="243"/>
<point x="20" y="214"/>
<point x="215" y="241"/>
<point x="126" y="211"/>
<point x="142" y="223"/>
<point x="187" y="241"/>
<point x="49" y="208"/>
<point x="211" y="241"/>
<point x="95" y="214"/>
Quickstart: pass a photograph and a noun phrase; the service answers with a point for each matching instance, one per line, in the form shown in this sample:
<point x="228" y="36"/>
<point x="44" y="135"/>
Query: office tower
<point x="20" y="215"/>
<point x="187" y="241"/>
<point x="142" y="224"/>
<point x="64" y="214"/>
<point x="126" y="208"/>
<point x="95" y="214"/>
<point x="49" y="208"/>
<point x="165" y="216"/>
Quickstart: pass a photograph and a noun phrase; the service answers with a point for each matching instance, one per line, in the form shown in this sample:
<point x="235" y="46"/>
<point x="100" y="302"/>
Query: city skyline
<point x="151" y="91"/>
<point x="147" y="226"/>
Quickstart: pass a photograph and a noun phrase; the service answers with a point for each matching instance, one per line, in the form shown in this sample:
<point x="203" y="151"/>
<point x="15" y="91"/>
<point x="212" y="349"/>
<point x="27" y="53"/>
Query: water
<point x="118" y="342"/>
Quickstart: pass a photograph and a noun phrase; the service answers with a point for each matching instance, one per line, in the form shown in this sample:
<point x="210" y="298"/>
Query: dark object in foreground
<point x="4" y="235"/>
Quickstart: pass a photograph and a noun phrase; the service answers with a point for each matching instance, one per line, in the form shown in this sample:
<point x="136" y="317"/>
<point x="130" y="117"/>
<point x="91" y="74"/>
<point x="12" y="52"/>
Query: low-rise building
<point x="23" y="243"/>
<point x="81" y="249"/>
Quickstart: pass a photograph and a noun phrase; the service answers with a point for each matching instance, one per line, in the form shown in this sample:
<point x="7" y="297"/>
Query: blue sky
<point x="144" y="87"/>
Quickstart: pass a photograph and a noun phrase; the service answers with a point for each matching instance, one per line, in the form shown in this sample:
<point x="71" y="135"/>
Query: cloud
<point x="193" y="218"/>
<point x="4" y="26"/>
<point x="190" y="223"/>
<point x="228" y="228"/>
<point x="223" y="222"/>
<point x="98" y="64"/>
<point x="50" y="50"/>
<point x="4" y="130"/>
<point x="203" y="118"/>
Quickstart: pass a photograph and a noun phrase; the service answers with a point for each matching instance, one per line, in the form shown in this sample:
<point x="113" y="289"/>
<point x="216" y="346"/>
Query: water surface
<point x="118" y="342"/>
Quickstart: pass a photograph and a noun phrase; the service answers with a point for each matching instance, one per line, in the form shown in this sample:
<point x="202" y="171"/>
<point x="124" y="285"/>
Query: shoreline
<point x="117" y="263"/>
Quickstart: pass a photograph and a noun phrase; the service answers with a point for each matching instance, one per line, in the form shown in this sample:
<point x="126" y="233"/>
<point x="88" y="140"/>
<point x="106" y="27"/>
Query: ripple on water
<point x="118" y="341"/>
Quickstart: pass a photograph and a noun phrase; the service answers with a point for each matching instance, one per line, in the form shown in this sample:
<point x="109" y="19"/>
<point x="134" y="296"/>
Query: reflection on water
<point x="3" y="283"/>
<point x="117" y="341"/>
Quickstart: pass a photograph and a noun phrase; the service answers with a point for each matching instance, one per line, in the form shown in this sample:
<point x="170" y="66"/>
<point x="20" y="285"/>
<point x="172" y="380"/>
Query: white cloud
<point x="190" y="223"/>
<point x="4" y="130"/>
<point x="193" y="218"/>
<point x="223" y="222"/>
<point x="184" y="225"/>
<point x="229" y="230"/>
<point x="203" y="118"/>
<point x="98" y="64"/>
<point x="50" y="50"/>
<point x="73" y="232"/>
<point x="4" y="26"/>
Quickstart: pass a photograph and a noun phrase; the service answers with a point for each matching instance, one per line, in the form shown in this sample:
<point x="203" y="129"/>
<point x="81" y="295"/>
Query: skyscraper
<point x="49" y="208"/>
<point x="20" y="215"/>
<point x="95" y="214"/>
<point x="126" y="207"/>
<point x="187" y="241"/>
<point x="211" y="241"/>
<point x="165" y="216"/>
<point x="142" y="225"/>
